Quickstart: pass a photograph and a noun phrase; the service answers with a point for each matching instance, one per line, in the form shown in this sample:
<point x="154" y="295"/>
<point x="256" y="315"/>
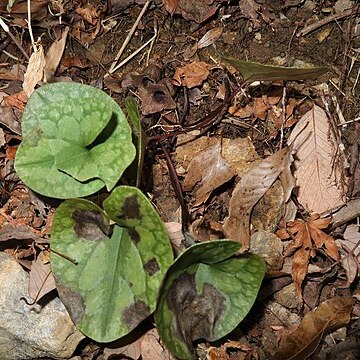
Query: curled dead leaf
<point x="249" y="190"/>
<point x="304" y="340"/>
<point x="211" y="169"/>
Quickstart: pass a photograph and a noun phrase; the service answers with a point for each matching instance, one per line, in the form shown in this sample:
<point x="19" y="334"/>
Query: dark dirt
<point x="271" y="37"/>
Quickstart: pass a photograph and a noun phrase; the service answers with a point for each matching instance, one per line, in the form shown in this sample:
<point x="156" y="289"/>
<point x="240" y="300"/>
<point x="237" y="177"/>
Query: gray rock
<point x="270" y="247"/>
<point x="29" y="332"/>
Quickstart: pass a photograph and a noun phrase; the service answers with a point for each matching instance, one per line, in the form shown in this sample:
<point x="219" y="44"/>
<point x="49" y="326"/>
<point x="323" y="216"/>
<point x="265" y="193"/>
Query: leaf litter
<point x="260" y="110"/>
<point x="307" y="237"/>
<point x="320" y="179"/>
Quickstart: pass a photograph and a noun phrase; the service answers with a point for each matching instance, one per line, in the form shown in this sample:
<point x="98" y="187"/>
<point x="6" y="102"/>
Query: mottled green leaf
<point x="129" y="208"/>
<point x="114" y="285"/>
<point x="76" y="140"/>
<point x="252" y="71"/>
<point x="205" y="294"/>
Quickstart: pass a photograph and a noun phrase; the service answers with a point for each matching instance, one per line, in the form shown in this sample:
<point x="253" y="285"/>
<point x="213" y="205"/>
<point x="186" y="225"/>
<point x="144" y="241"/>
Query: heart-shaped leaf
<point x="76" y="140"/>
<point x="206" y="294"/>
<point x="114" y="285"/>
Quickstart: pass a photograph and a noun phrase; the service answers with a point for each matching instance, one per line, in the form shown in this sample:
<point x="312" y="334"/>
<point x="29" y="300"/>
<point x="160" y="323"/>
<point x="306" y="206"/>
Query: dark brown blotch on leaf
<point x="90" y="224"/>
<point x="130" y="209"/>
<point x="134" y="236"/>
<point x="135" y="313"/>
<point x="152" y="266"/>
<point x="196" y="314"/>
<point x="73" y="302"/>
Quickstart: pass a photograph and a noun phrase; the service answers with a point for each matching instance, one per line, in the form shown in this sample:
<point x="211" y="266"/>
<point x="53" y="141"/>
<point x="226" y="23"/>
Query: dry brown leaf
<point x="209" y="38"/>
<point x="260" y="107"/>
<point x="307" y="237"/>
<point x="54" y="55"/>
<point x="242" y="112"/>
<point x="8" y="75"/>
<point x="73" y="61"/>
<point x="195" y="10"/>
<point x="41" y="280"/>
<point x="222" y="352"/>
<point x="35" y="70"/>
<point x="39" y="9"/>
<point x="2" y="138"/>
<point x="249" y="8"/>
<point x="155" y="98"/>
<point x="318" y="176"/>
<point x="152" y="349"/>
<point x="176" y="236"/>
<point x="170" y="5"/>
<point x="8" y="119"/>
<point x="89" y="12"/>
<point x="209" y="168"/>
<point x="249" y="190"/>
<point x="205" y="229"/>
<point x="148" y="346"/>
<point x="350" y="261"/>
<point x="239" y="152"/>
<point x="303" y="341"/>
<point x="288" y="180"/>
<point x="17" y="100"/>
<point x="192" y="75"/>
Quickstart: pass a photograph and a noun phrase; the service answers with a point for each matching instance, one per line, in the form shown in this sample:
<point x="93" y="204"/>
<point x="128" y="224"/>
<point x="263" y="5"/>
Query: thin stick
<point x="307" y="29"/>
<point x="13" y="38"/>
<point x="134" y="53"/>
<point x="283" y="103"/>
<point x="129" y="36"/>
<point x="29" y="25"/>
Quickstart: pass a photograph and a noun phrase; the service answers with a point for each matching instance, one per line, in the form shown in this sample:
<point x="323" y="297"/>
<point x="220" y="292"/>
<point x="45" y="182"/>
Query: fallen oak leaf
<point x="249" y="190"/>
<point x="304" y="340"/>
<point x="307" y="238"/>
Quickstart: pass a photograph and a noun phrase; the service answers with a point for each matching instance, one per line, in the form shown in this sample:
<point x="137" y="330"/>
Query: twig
<point x="29" y="26"/>
<point x="129" y="36"/>
<point x="13" y="38"/>
<point x="134" y="53"/>
<point x="185" y="216"/>
<point x="283" y="102"/>
<point x="307" y="29"/>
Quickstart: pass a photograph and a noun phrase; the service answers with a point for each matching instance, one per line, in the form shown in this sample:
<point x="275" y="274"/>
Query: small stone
<point x="287" y="297"/>
<point x="270" y="247"/>
<point x="258" y="37"/>
<point x="31" y="331"/>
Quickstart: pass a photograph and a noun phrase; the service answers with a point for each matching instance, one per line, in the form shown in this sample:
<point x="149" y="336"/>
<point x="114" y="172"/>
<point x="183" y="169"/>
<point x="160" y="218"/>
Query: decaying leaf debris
<point x="188" y="67"/>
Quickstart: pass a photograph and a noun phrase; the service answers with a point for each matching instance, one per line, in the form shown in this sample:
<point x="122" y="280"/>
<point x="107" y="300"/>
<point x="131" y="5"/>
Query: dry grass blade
<point x="318" y="176"/>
